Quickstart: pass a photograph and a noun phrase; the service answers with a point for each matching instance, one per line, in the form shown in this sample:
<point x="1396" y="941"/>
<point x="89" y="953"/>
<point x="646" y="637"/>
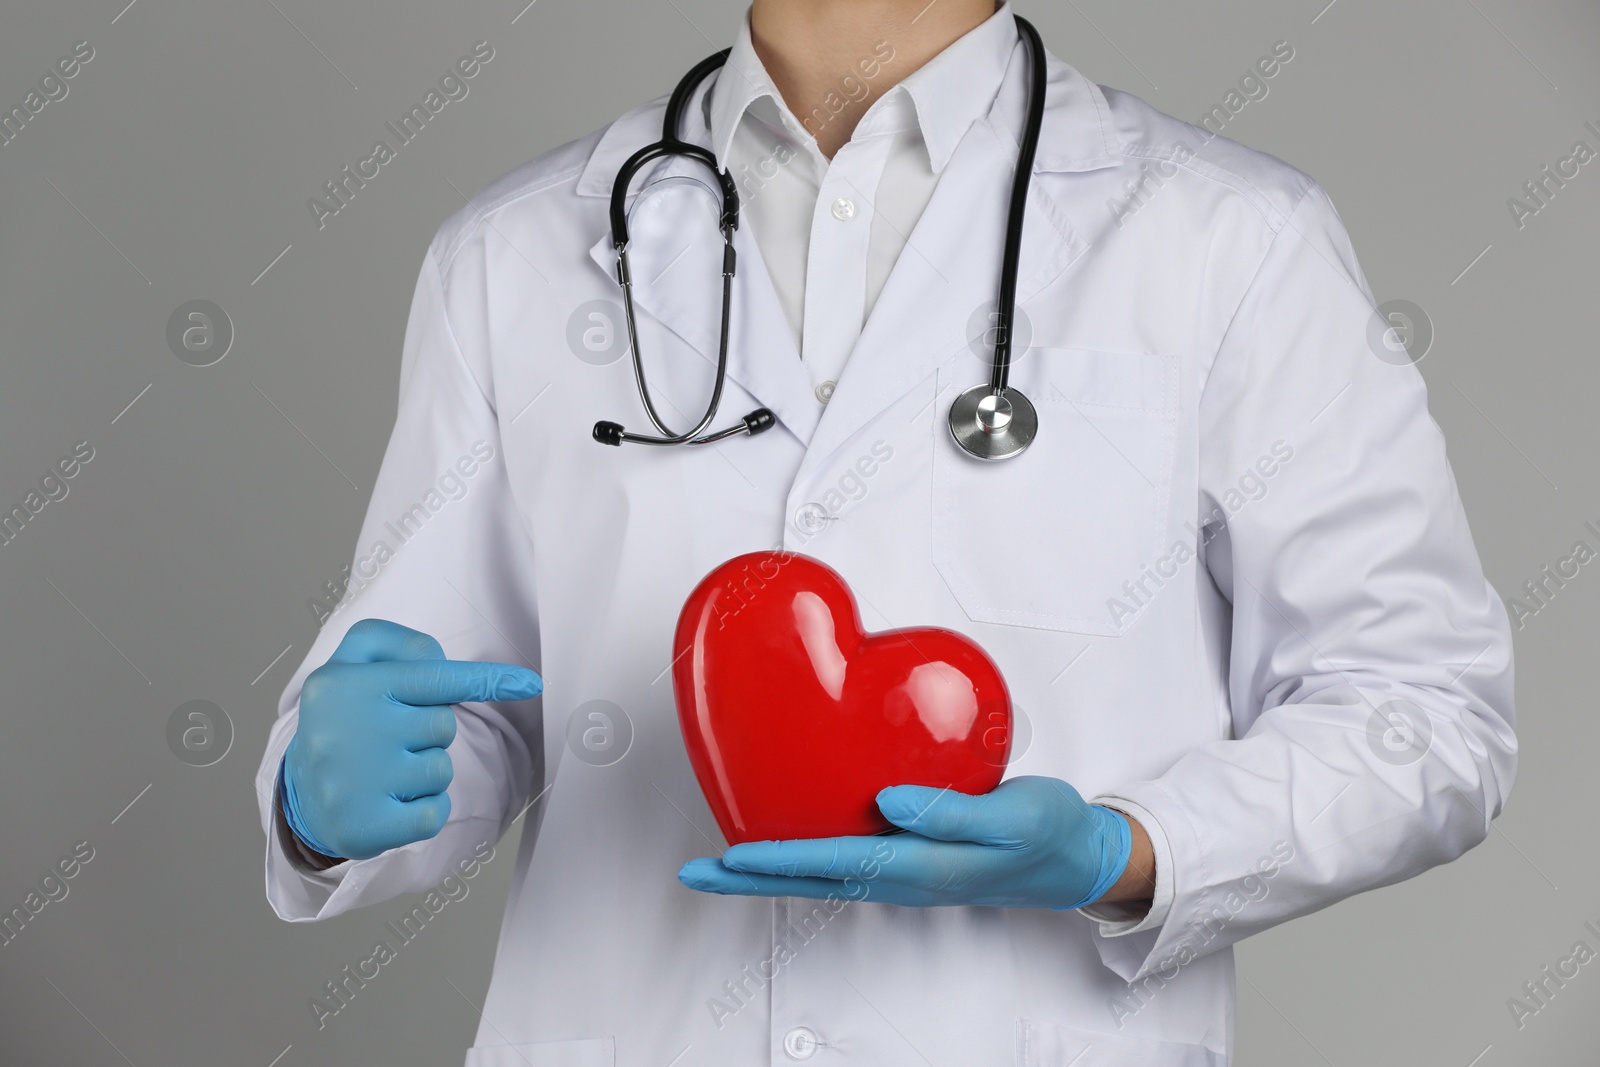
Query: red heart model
<point x="795" y="718"/>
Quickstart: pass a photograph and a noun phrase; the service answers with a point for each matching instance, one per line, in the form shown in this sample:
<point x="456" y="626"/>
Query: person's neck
<point x="830" y="59"/>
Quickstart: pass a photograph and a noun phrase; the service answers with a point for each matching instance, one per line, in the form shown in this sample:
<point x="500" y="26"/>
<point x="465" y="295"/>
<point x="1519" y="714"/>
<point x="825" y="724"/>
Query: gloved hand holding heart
<point x="795" y="718"/>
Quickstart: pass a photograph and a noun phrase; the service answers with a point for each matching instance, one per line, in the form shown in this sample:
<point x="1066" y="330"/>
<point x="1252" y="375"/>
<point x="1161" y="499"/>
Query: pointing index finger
<point x="425" y="683"/>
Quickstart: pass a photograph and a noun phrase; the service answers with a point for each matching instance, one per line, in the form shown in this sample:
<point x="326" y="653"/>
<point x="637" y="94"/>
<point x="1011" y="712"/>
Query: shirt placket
<point x="836" y="267"/>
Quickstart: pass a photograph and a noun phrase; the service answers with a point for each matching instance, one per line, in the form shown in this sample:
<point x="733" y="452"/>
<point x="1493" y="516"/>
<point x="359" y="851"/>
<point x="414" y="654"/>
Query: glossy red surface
<point x="795" y="718"/>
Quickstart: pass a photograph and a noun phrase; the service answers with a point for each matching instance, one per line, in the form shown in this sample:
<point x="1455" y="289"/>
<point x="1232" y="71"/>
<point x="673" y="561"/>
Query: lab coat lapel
<point x="949" y="270"/>
<point x="762" y="357"/>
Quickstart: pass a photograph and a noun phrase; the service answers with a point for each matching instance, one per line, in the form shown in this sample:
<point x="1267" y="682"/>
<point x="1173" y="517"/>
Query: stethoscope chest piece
<point x="993" y="425"/>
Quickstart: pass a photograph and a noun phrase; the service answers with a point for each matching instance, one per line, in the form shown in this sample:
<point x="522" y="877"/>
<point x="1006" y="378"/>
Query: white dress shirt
<point x="831" y="231"/>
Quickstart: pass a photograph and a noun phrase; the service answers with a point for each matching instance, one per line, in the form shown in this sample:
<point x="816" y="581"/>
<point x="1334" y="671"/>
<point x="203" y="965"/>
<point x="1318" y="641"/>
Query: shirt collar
<point x="948" y="93"/>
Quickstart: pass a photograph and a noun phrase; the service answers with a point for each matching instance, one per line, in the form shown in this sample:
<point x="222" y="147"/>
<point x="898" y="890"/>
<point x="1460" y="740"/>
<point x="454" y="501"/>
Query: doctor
<point x="1229" y="581"/>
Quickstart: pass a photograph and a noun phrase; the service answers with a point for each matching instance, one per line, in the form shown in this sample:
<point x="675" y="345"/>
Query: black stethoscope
<point x="990" y="421"/>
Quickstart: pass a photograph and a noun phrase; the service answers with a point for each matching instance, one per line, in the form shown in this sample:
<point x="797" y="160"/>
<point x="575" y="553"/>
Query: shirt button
<point x="800" y="1043"/>
<point x="811" y="517"/>
<point x="844" y="209"/>
<point x="824" y="391"/>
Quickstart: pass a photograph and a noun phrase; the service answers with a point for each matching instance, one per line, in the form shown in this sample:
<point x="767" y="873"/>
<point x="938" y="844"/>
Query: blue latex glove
<point x="1031" y="843"/>
<point x="366" y="770"/>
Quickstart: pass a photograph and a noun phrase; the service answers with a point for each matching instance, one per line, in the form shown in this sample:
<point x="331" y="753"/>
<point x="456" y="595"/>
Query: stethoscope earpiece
<point x="758" y="421"/>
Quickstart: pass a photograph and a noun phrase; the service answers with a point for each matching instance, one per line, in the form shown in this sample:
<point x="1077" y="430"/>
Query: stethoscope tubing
<point x="1027" y="148"/>
<point x="671" y="145"/>
<point x="625" y="280"/>
<point x="997" y="446"/>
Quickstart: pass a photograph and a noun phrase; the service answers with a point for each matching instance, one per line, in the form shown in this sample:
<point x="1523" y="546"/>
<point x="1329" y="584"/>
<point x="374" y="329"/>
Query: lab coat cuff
<point x="1121" y="919"/>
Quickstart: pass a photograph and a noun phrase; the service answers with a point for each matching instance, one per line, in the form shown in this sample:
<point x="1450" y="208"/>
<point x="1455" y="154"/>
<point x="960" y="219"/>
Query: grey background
<point x="180" y="563"/>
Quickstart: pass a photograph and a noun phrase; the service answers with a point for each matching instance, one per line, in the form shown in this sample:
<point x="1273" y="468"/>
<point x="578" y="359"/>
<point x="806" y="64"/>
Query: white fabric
<point x="1233" y="556"/>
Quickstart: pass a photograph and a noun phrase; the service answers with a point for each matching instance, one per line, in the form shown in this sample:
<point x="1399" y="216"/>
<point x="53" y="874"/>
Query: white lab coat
<point x="1205" y="357"/>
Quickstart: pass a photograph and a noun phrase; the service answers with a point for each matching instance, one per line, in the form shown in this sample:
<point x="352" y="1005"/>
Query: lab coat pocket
<point x="1048" y="538"/>
<point x="593" y="1052"/>
<point x="1043" y="1044"/>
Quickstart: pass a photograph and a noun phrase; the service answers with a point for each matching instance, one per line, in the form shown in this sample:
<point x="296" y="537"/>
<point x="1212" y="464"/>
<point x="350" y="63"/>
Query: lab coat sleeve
<point x="1370" y="668"/>
<point x="441" y="550"/>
